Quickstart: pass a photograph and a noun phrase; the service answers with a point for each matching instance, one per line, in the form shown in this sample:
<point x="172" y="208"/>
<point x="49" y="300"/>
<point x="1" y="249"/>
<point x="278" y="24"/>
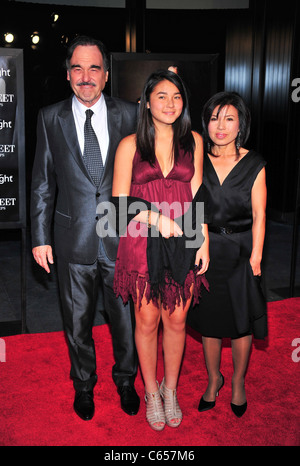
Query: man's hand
<point x="43" y="255"/>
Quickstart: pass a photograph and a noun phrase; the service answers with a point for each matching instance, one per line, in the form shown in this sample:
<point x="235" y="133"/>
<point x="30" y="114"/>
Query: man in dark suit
<point x="64" y="188"/>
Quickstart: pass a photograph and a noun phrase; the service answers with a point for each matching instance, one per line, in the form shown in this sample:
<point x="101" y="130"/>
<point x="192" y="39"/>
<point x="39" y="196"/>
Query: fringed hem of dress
<point x="170" y="294"/>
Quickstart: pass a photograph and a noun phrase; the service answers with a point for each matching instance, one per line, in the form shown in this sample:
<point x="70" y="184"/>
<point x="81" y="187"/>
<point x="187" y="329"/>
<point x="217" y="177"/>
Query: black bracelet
<point x="148" y="218"/>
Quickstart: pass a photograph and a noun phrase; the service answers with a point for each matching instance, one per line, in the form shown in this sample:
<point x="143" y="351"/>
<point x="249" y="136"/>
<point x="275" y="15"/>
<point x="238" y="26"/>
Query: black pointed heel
<point x="206" y="405"/>
<point x="239" y="410"/>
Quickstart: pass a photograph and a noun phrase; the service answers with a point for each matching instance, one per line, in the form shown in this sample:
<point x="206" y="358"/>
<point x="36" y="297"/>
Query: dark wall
<point x="262" y="59"/>
<point x="188" y="31"/>
<point x="44" y="73"/>
<point x="258" y="56"/>
<point x="45" y="77"/>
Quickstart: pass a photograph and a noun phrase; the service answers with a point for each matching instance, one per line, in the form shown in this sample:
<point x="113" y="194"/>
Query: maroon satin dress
<point x="172" y="195"/>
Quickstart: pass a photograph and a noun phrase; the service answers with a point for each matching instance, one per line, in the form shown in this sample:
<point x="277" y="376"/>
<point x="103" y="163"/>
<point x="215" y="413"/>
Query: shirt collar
<point x="96" y="108"/>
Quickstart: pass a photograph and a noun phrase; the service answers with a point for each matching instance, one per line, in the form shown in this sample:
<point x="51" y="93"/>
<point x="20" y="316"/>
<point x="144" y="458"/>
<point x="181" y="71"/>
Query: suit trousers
<point x="79" y="285"/>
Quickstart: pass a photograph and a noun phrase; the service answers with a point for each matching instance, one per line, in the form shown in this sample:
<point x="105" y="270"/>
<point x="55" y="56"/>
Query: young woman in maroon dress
<point x="162" y="164"/>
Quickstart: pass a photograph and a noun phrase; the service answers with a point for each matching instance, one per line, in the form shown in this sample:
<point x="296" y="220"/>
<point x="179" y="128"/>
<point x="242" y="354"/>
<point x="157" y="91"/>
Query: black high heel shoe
<point x="206" y="405"/>
<point x="239" y="410"/>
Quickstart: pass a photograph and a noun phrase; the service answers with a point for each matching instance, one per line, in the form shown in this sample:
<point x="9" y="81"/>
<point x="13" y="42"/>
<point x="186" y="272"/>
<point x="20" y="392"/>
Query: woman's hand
<point x="168" y="227"/>
<point x="203" y="252"/>
<point x="256" y="266"/>
<point x="203" y="255"/>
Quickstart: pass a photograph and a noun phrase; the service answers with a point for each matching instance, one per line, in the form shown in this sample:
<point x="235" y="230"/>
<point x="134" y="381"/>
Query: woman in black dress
<point x="234" y="307"/>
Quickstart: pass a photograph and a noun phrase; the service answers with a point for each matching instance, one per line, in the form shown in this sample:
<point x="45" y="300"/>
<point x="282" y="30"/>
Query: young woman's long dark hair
<point x="182" y="135"/>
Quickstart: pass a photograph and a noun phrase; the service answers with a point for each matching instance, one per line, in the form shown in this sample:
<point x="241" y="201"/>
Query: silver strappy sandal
<point x="154" y="410"/>
<point x="171" y="405"/>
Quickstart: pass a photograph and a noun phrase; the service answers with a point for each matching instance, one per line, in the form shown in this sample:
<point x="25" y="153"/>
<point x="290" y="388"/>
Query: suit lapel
<point x="114" y="120"/>
<point x="67" y="123"/>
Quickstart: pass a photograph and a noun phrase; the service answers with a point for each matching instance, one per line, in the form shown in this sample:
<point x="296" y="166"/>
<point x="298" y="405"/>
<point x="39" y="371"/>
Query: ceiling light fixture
<point x="35" y="38"/>
<point x="9" y="37"/>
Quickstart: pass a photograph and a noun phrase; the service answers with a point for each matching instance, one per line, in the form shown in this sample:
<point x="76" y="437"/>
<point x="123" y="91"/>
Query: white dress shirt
<point x="99" y="123"/>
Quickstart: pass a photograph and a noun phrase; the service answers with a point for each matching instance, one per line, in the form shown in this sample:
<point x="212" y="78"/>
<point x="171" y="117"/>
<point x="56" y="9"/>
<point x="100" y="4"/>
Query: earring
<point x="238" y="141"/>
<point x="208" y="147"/>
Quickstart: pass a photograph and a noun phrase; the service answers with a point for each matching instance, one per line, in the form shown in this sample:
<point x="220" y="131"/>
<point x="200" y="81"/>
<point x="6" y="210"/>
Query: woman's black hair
<point x="145" y="136"/>
<point x="222" y="99"/>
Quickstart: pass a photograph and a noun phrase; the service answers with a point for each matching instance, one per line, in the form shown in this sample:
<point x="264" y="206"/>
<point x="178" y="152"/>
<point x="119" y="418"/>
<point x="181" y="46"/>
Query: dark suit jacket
<point x="62" y="188"/>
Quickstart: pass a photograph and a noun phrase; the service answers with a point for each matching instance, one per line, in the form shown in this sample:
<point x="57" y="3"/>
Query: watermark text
<point x="190" y="221"/>
<point x="2" y="350"/>
<point x="296" y="92"/>
<point x="296" y="352"/>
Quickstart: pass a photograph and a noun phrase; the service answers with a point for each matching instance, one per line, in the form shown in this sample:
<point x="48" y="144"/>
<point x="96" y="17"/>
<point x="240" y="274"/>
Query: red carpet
<point x="36" y="395"/>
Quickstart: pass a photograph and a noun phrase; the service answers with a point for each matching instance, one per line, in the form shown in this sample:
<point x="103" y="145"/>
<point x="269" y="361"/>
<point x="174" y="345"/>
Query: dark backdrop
<point x="258" y="55"/>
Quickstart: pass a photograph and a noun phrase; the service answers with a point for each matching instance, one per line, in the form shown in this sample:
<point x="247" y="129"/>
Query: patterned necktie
<point x="92" y="153"/>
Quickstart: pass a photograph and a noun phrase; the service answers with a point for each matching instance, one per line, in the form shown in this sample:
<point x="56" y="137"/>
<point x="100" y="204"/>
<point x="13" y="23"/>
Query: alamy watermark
<point x="296" y="352"/>
<point x="109" y="222"/>
<point x="296" y="92"/>
<point x="2" y="350"/>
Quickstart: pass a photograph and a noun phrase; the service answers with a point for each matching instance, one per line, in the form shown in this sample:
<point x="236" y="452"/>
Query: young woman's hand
<point x="168" y="227"/>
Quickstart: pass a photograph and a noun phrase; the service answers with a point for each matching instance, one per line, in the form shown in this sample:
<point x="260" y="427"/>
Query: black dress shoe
<point x="206" y="405"/>
<point x="130" y="401"/>
<point x="84" y="405"/>
<point x="239" y="410"/>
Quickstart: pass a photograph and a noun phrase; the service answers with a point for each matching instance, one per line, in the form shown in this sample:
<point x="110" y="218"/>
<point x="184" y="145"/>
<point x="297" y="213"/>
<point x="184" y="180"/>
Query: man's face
<point x="86" y="74"/>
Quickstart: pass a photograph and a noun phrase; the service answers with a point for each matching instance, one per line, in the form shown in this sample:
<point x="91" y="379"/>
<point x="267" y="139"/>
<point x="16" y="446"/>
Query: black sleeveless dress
<point x="229" y="308"/>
